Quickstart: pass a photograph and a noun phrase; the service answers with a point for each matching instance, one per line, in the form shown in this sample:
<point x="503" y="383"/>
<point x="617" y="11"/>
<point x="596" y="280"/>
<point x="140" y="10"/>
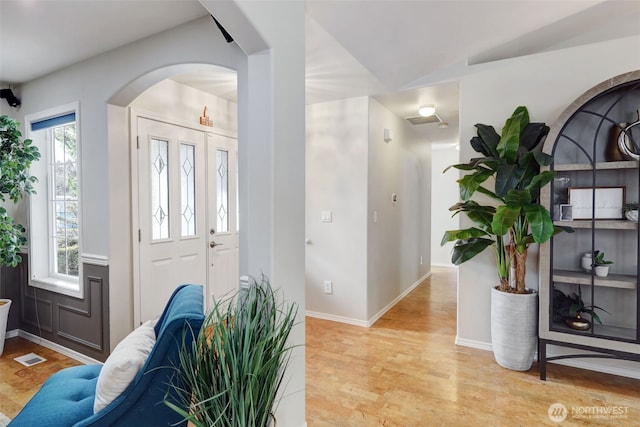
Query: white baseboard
<point x="473" y="344"/>
<point x="443" y="264"/>
<point x="586" y="363"/>
<point x="396" y="300"/>
<point x="58" y="348"/>
<point x="370" y="322"/>
<point x="334" y="318"/>
<point x="12" y="333"/>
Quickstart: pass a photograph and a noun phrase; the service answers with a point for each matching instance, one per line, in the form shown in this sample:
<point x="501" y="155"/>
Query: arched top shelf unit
<point x="595" y="145"/>
<point x="583" y="131"/>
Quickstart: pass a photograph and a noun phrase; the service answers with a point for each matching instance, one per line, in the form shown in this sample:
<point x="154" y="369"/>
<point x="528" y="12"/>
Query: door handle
<point x="213" y="244"/>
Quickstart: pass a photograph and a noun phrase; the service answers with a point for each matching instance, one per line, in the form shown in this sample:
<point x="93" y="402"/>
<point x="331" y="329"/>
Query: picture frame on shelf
<point x="609" y="202"/>
<point x="566" y="212"/>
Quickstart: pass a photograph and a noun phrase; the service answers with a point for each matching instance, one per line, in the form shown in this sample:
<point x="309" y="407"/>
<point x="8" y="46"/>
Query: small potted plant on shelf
<point x="630" y="211"/>
<point x="601" y="265"/>
<point x="577" y="309"/>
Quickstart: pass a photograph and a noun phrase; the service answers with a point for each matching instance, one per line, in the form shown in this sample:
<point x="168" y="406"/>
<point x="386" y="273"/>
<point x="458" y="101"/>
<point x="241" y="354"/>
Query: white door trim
<point x="134" y="115"/>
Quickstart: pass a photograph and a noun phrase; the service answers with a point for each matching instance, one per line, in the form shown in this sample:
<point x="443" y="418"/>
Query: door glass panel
<point x="159" y="189"/>
<point x="187" y="192"/>
<point x="222" y="203"/>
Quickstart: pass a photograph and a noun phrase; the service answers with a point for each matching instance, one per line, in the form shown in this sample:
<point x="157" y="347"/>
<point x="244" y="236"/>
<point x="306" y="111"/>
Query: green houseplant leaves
<point x="236" y="365"/>
<point x="16" y="156"/>
<point x="511" y="162"/>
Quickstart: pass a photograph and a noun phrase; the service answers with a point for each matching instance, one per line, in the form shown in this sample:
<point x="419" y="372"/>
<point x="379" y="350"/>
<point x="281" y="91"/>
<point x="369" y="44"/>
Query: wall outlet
<point x="328" y="287"/>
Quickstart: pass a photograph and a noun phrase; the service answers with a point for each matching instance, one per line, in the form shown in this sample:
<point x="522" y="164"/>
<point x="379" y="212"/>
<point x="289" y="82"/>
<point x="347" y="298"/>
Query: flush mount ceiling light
<point x="427" y="110"/>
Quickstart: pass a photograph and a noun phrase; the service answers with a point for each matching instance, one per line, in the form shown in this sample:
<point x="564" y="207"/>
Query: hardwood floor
<point x="407" y="371"/>
<point x="19" y="383"/>
<point x="404" y="371"/>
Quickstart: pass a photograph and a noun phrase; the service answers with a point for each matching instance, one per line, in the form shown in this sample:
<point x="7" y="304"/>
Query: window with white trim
<point x="54" y="226"/>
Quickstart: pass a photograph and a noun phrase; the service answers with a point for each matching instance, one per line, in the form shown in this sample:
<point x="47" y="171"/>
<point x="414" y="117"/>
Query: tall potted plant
<point x="512" y="219"/>
<point x="232" y="373"/>
<point x="16" y="156"/>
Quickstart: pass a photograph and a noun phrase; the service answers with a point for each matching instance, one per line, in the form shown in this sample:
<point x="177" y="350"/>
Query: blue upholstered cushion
<point x="66" y="399"/>
<point x="63" y="400"/>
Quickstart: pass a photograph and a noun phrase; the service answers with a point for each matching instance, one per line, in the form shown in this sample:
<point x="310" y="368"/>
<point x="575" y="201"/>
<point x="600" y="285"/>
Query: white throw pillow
<point x="123" y="364"/>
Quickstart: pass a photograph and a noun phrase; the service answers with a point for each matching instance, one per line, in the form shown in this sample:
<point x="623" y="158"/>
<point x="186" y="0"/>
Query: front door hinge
<point x="139" y="235"/>
<point x="138" y="142"/>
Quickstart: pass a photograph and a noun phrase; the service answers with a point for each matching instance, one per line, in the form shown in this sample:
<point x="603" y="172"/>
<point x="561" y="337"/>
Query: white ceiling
<point x="403" y="53"/>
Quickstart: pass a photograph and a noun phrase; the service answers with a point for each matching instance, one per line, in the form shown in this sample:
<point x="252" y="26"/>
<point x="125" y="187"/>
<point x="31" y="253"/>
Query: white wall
<point x="182" y="103"/>
<point x="444" y="194"/>
<point x="398" y="237"/>
<point x="545" y="83"/>
<point x="271" y="135"/>
<point x="271" y="132"/>
<point x="352" y="172"/>
<point x="337" y="140"/>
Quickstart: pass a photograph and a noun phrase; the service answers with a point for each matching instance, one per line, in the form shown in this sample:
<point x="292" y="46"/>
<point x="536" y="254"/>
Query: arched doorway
<point x="183" y="151"/>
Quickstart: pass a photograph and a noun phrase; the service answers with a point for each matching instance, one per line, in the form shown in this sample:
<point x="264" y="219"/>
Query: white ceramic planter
<point x="5" y="304"/>
<point x="602" y="270"/>
<point x="514" y="329"/>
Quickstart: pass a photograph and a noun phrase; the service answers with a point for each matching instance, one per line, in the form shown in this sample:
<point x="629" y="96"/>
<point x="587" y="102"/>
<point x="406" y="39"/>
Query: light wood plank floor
<point x="407" y="371"/>
<point x="19" y="383"/>
<point x="404" y="371"/>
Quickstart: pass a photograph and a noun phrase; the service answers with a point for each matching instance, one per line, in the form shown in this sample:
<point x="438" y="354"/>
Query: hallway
<point x="407" y="371"/>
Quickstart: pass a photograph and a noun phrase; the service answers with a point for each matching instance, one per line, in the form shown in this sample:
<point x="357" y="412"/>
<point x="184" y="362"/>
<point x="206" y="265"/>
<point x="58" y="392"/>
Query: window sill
<point x="58" y="286"/>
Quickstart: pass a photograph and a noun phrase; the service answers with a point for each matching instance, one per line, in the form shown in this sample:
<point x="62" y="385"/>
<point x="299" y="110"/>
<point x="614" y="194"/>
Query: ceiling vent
<point x="419" y="120"/>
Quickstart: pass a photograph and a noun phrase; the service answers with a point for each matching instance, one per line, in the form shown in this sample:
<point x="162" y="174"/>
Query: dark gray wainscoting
<point x="79" y="324"/>
<point x="10" y="288"/>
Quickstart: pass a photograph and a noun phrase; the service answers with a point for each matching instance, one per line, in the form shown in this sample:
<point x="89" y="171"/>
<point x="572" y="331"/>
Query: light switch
<point x="388" y="135"/>
<point x="327" y="216"/>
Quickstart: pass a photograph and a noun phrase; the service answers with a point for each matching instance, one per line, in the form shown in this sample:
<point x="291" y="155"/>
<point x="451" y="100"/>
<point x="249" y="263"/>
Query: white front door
<point x="223" y="215"/>
<point x="172" y="234"/>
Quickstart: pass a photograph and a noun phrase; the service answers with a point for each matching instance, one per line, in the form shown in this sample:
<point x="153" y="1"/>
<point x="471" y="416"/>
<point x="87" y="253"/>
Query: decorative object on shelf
<point x="630" y="211"/>
<point x="578" y="323"/>
<point x="601" y="265"/>
<point x="204" y="118"/>
<point x="622" y="144"/>
<point x="561" y="306"/>
<point x="578" y="309"/>
<point x="566" y="213"/>
<point x="586" y="262"/>
<point x="608" y="202"/>
<point x="513" y="160"/>
<point x="561" y="184"/>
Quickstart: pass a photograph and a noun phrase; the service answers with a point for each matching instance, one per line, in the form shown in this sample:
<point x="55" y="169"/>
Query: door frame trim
<point x="134" y="114"/>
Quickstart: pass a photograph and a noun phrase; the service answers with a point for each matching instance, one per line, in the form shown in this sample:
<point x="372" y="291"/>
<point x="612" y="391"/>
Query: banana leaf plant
<point x="508" y="173"/>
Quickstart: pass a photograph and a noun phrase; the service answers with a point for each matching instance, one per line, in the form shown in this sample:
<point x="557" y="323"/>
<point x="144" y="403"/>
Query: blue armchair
<point x="66" y="399"/>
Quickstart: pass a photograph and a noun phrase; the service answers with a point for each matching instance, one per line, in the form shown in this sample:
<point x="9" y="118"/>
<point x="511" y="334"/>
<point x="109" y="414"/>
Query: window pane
<point x="188" y="183"/>
<point x="222" y="203"/>
<point x="64" y="201"/>
<point x="159" y="189"/>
